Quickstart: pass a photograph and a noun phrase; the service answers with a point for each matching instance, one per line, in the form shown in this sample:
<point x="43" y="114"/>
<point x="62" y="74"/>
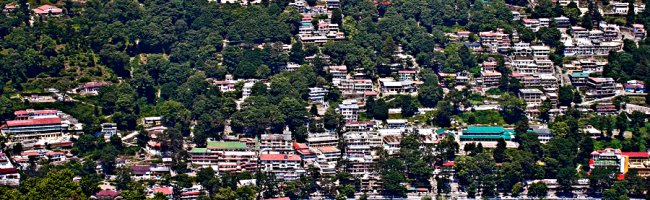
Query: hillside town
<point x="324" y="99"/>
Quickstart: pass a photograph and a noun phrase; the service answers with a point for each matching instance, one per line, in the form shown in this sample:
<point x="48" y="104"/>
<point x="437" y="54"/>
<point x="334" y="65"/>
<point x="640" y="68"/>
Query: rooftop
<point x="226" y="145"/>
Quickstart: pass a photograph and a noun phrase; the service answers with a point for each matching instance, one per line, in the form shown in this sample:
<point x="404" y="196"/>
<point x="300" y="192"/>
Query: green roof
<point x="442" y="130"/>
<point x="226" y="145"/>
<point x="483" y="129"/>
<point x="199" y="150"/>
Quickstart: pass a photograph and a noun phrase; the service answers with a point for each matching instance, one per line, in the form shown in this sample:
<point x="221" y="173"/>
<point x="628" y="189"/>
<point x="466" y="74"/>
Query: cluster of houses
<point x="316" y="26"/>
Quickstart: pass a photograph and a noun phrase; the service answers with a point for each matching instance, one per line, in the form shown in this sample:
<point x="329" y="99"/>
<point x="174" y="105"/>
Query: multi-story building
<point x="487" y="135"/>
<point x="322" y="139"/>
<point x="285" y="167"/>
<point x="405" y="75"/>
<point x="8" y="173"/>
<point x="353" y="87"/>
<point x="495" y="41"/>
<point x="338" y="71"/>
<point x="532" y="96"/>
<point x="532" y="24"/>
<point x="108" y="129"/>
<point x="225" y="156"/>
<point x="276" y="143"/>
<point x="317" y="94"/>
<point x="639" y="31"/>
<point x="587" y="47"/>
<point x="639" y="161"/>
<point x="611" y="32"/>
<point x="562" y="22"/>
<point x="634" y="86"/>
<point x="360" y="126"/>
<point x="490" y="79"/>
<point x="600" y="87"/>
<point x="349" y="109"/>
<point x="578" y="78"/>
<point x="361" y="143"/>
<point x="90" y="88"/>
<point x="37" y="128"/>
<point x="389" y="86"/>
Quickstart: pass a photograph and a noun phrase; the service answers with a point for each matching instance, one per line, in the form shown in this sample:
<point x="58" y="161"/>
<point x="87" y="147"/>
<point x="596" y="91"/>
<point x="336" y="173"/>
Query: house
<point x="167" y="191"/>
<point x="285" y="167"/>
<point x="48" y="10"/>
<point x="152" y="121"/>
<point x="106" y="195"/>
<point x="607" y="109"/>
<point x="108" y="129"/>
<point x="361" y="143"/>
<point x="600" y="87"/>
<point x="35" y="128"/>
<point x="396" y="123"/>
<point x="405" y="75"/>
<point x="544" y="134"/>
<point x="490" y="79"/>
<point x="639" y="31"/>
<point x="360" y="125"/>
<point x="338" y="71"/>
<point x="562" y="22"/>
<point x="578" y="78"/>
<point x="91" y="88"/>
<point x="639" y="161"/>
<point x="225" y="156"/>
<point x="317" y="94"/>
<point x="322" y="139"/>
<point x="634" y="86"/>
<point x="8" y="173"/>
<point x="610" y="158"/>
<point x="391" y="87"/>
<point x="10" y="7"/>
<point x="276" y="143"/>
<point x="349" y="109"/>
<point x="532" y="96"/>
<point x="487" y="135"/>
<point x="141" y="172"/>
<point x="304" y="152"/>
<point x="225" y="85"/>
<point x="532" y="24"/>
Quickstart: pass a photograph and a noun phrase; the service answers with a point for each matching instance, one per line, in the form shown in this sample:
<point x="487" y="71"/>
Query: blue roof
<point x="484" y="129"/>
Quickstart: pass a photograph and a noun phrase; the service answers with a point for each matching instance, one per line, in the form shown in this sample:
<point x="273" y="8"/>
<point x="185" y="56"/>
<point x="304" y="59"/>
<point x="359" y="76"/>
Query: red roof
<point x="448" y="164"/>
<point x="407" y="71"/>
<point x="107" y="194"/>
<point x="45" y="9"/>
<point x="33" y="122"/>
<point x="279" y="157"/>
<point x="191" y="193"/>
<point x="370" y="93"/>
<point x="620" y="177"/>
<point x="164" y="190"/>
<point x="3" y="154"/>
<point x="37" y="112"/>
<point x="298" y="146"/>
<point x="636" y="154"/>
<point x="29" y="153"/>
<point x="8" y="170"/>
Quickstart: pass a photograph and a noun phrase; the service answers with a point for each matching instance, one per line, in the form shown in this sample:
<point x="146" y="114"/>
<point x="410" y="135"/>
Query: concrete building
<point x="285" y="167"/>
<point x="349" y="109"/>
<point x="276" y="143"/>
<point x="225" y="157"/>
<point x="532" y="96"/>
<point x="600" y="87"/>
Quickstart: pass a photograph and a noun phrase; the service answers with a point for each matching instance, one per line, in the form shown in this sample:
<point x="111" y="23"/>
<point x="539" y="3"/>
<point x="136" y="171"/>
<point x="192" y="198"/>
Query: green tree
<point x="538" y="189"/>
